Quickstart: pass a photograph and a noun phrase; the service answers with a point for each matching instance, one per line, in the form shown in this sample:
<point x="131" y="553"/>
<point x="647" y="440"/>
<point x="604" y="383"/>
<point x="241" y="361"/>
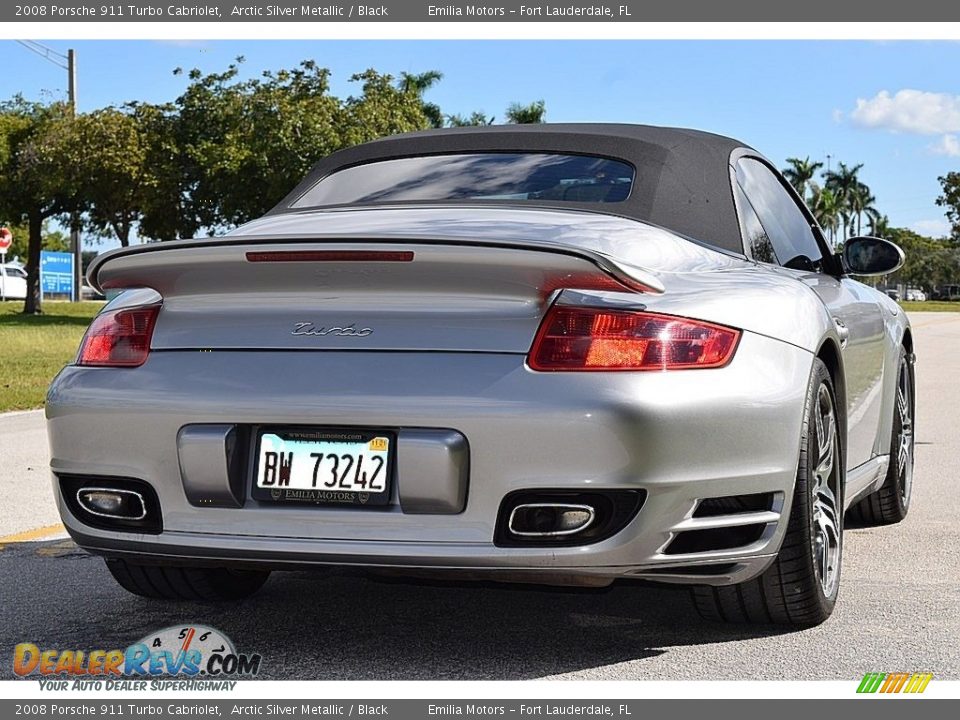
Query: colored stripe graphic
<point x="888" y="683"/>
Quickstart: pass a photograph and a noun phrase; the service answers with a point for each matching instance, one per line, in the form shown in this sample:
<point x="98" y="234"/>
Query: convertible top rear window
<point x="512" y="177"/>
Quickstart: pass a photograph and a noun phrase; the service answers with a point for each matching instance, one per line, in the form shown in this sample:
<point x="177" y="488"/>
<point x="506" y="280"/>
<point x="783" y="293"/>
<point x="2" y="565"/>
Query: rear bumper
<point x="678" y="436"/>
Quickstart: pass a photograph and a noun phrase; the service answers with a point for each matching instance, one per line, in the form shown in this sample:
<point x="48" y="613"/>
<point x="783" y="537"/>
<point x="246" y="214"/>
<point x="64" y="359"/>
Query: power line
<point x="47" y="53"/>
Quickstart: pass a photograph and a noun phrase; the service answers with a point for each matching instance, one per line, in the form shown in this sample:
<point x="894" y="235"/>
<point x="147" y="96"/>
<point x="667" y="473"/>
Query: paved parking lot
<point x="899" y="608"/>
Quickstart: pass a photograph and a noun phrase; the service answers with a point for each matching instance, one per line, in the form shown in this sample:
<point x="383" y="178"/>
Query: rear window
<point x="480" y="176"/>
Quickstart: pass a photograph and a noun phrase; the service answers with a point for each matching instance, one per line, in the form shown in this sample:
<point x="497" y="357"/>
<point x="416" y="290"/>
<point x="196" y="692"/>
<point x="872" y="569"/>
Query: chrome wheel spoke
<point x="903" y="456"/>
<point x="903" y="407"/>
<point x="827" y="441"/>
<point x="826" y="437"/>
<point x="905" y="439"/>
<point x="826" y="530"/>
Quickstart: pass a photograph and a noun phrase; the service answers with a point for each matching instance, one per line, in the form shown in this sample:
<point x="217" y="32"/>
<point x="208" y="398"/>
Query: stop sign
<point x="6" y="237"/>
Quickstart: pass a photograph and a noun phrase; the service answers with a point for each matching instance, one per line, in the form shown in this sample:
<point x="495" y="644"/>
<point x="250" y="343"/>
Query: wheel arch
<point x="907" y="341"/>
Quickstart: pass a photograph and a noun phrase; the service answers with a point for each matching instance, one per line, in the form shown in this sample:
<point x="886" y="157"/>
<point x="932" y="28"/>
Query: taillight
<point x="575" y="338"/>
<point x="119" y="338"/>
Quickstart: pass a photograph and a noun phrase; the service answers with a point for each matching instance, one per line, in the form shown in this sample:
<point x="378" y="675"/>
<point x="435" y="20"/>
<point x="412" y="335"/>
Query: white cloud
<point x="909" y="111"/>
<point x="931" y="228"/>
<point x="837" y="115"/>
<point x="949" y="145"/>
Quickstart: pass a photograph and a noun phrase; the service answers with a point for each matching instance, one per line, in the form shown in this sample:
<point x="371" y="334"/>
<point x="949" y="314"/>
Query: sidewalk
<point x="26" y="495"/>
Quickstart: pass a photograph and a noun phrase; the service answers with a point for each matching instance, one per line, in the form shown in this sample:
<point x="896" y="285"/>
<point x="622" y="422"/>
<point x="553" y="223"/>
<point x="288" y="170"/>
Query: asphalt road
<point x="899" y="608"/>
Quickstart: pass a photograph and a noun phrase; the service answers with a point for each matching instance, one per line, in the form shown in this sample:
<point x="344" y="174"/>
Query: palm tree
<point x="531" y="114"/>
<point x="843" y="182"/>
<point x="877" y="224"/>
<point x="800" y="174"/>
<point x="861" y="203"/>
<point x="826" y="208"/>
<point x="418" y="84"/>
<point x="477" y="117"/>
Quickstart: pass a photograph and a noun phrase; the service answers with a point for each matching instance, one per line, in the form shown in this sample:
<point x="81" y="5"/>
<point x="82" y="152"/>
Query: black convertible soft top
<point x="682" y="183"/>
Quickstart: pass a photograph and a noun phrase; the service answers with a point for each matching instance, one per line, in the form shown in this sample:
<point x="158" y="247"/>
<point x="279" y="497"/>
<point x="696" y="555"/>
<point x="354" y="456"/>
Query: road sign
<point x="6" y="238"/>
<point x="56" y="273"/>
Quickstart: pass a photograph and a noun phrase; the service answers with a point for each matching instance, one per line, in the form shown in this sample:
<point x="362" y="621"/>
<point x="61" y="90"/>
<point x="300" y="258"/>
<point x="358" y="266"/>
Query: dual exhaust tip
<point x="113" y="503"/>
<point x="550" y="520"/>
<point x="545" y="517"/>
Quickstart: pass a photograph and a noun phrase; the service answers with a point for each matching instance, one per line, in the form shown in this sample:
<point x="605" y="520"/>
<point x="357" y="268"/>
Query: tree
<point x="951" y="201"/>
<point x="239" y="146"/>
<point x="35" y="184"/>
<point x="530" y="114"/>
<point x="861" y="203"/>
<point x="474" y="119"/>
<point x="165" y="214"/>
<point x="825" y="207"/>
<point x="800" y="174"/>
<point x="843" y="183"/>
<point x="928" y="263"/>
<point x="104" y="154"/>
<point x="418" y="84"/>
<point x="384" y="108"/>
<point x="879" y="225"/>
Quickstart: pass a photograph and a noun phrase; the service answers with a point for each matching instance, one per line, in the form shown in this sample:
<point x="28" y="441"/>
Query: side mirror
<point x="871" y="256"/>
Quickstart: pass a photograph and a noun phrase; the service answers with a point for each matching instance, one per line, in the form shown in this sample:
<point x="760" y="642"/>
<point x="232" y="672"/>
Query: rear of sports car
<point x="513" y="409"/>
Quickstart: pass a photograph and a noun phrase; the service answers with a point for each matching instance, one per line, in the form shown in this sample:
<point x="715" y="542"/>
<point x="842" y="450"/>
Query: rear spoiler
<point x="152" y="265"/>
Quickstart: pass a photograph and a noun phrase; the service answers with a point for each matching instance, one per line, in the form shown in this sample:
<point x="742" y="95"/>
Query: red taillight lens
<point x="119" y="338"/>
<point x="573" y="338"/>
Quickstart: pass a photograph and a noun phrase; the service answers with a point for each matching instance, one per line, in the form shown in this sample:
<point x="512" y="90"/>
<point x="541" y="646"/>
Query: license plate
<point x="324" y="466"/>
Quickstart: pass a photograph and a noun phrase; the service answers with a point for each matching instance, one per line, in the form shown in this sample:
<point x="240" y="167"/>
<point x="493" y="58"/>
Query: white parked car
<point x="13" y="282"/>
<point x="916" y="295"/>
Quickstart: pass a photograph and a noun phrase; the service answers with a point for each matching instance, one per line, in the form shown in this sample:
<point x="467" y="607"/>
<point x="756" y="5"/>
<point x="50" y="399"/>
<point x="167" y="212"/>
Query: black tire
<point x="186" y="583"/>
<point x="891" y="502"/>
<point x="790" y="591"/>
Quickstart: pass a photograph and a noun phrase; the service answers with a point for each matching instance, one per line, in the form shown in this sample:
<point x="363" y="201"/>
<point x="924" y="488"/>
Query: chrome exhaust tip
<point x="550" y="519"/>
<point x="112" y="503"/>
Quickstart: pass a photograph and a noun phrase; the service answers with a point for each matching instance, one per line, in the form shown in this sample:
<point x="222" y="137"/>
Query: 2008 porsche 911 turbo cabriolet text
<point x="554" y="354"/>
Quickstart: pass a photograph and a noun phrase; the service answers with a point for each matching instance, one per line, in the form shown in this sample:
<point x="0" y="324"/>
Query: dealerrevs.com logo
<point x="887" y="683"/>
<point x="184" y="651"/>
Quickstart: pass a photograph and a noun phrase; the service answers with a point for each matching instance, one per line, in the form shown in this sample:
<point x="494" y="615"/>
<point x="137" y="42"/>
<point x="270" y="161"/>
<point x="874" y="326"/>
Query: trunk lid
<point x="307" y="282"/>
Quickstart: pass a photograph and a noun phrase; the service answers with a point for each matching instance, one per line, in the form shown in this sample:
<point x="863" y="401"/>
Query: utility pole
<point x="75" y="244"/>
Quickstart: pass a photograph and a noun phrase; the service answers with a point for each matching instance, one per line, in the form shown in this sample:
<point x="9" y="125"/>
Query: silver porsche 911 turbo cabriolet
<point x="559" y="354"/>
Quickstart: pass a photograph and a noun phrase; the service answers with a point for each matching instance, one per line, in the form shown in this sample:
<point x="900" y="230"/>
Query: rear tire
<point x="186" y="583"/>
<point x="890" y="503"/>
<point x="800" y="587"/>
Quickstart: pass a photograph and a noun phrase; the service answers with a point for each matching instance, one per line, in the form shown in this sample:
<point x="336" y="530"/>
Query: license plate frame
<point x="323" y="495"/>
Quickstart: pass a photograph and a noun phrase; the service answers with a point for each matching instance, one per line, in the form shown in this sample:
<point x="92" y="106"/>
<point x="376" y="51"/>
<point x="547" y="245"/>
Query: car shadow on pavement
<point x="334" y="625"/>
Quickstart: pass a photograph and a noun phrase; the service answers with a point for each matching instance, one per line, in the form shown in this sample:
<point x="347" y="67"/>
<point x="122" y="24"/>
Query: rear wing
<point x="174" y="266"/>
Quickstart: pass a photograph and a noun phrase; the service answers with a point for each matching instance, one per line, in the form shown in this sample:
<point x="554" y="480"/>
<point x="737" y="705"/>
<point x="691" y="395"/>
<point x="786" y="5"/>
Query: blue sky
<point x="893" y="106"/>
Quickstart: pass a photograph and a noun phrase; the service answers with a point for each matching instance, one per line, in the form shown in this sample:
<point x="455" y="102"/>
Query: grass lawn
<point x="33" y="349"/>
<point x="931" y="306"/>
